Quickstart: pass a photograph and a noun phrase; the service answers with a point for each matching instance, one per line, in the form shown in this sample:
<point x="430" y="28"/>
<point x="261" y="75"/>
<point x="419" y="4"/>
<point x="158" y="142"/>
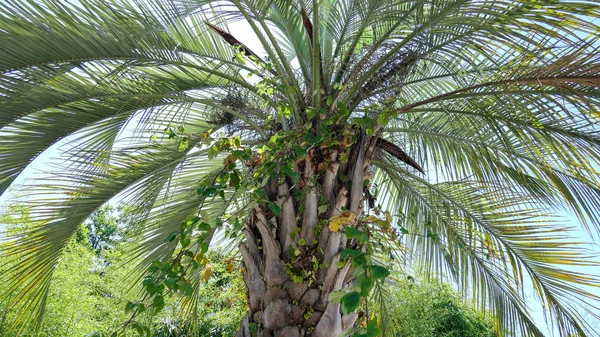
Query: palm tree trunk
<point x="291" y="259"/>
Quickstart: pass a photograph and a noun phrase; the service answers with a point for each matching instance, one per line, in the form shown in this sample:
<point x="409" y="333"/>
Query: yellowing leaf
<point x="335" y="222"/>
<point x="372" y="218"/>
<point x="350" y="217"/>
<point x="229" y="266"/>
<point x="385" y="224"/>
<point x="334" y="226"/>
<point x="205" y="275"/>
<point x="388" y="217"/>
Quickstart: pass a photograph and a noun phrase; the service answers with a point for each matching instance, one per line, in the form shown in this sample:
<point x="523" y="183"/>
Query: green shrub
<point x="433" y="309"/>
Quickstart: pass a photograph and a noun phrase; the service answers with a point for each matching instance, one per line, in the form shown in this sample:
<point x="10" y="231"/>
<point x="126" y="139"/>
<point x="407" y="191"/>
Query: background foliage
<point x="431" y="308"/>
<point x="87" y="296"/>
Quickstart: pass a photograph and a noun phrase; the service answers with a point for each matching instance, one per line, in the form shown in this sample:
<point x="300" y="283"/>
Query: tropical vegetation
<point x="355" y="137"/>
<point x="87" y="297"/>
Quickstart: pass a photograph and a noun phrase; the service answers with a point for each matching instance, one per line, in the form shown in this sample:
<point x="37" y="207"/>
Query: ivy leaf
<point x="189" y="290"/>
<point x="203" y="247"/>
<point x="240" y="57"/>
<point x="274" y="208"/>
<point x="283" y="110"/>
<point x="183" y="145"/>
<point x="366" y="284"/>
<point x="336" y="296"/>
<point x="379" y="272"/>
<point x="130" y="306"/>
<point x="292" y="174"/>
<point x="150" y="286"/>
<point x="212" y="152"/>
<point x="322" y="209"/>
<point x="383" y="119"/>
<point x="351" y="232"/>
<point x="359" y="261"/>
<point x="185" y="240"/>
<point x="203" y="226"/>
<point x="373" y="328"/>
<point x="154" y="267"/>
<point x="234" y="179"/>
<point x="171" y="236"/>
<point x="350" y="252"/>
<point x="259" y="195"/>
<point x="300" y="152"/>
<point x="170" y="282"/>
<point x="350" y="302"/>
<point x="159" y="303"/>
<point x="237" y="142"/>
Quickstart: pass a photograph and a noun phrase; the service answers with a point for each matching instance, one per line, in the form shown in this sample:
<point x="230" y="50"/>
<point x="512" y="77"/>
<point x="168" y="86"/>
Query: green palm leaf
<point x="496" y="103"/>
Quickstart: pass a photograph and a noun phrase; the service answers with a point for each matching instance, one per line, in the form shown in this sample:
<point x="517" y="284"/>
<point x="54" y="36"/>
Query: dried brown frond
<point x="398" y="153"/>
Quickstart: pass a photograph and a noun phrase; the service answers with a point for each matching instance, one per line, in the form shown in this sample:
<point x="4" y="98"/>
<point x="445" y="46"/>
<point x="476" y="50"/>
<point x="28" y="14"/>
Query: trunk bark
<point x="291" y="258"/>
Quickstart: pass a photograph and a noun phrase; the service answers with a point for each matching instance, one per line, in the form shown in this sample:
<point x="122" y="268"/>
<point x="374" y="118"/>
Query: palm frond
<point x="490" y="242"/>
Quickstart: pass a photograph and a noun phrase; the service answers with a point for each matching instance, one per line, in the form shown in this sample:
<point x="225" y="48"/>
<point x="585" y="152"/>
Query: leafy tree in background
<point x="359" y="133"/>
<point x="87" y="297"/>
<point x="431" y="309"/>
<point x="86" y="293"/>
<point x="106" y="227"/>
<point x="221" y="304"/>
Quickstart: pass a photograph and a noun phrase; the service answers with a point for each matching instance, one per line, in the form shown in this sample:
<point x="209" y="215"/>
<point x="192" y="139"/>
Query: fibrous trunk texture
<point x="291" y="258"/>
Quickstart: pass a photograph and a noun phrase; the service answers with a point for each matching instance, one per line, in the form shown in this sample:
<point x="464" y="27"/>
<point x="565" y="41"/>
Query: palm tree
<point x="444" y="133"/>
